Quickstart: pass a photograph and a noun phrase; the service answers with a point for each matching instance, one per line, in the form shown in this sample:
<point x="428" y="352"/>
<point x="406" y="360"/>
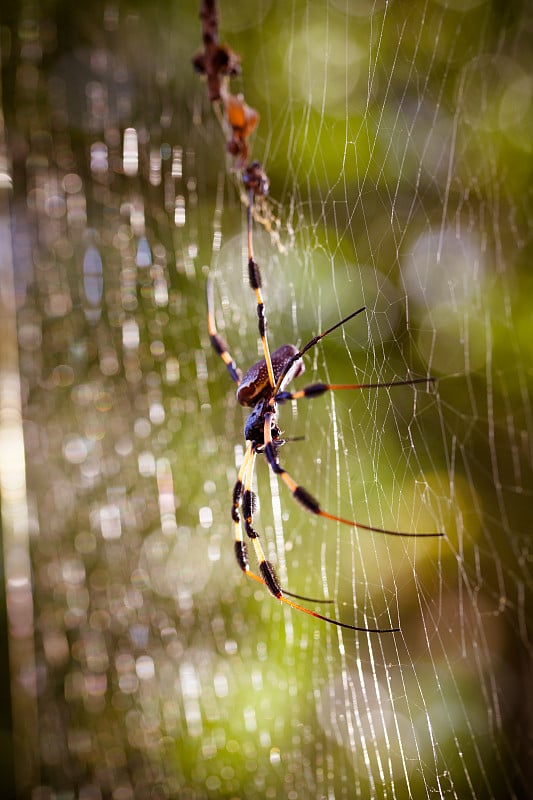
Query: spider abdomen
<point x="255" y="385"/>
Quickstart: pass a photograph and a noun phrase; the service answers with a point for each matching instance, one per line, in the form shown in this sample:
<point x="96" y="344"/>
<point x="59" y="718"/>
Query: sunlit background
<point x="139" y="661"/>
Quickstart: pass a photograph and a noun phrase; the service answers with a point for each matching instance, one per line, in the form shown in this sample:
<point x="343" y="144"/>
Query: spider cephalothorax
<point x="254" y="428"/>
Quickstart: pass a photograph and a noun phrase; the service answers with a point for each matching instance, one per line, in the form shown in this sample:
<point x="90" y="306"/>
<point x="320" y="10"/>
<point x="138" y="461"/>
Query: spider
<point x="262" y="388"/>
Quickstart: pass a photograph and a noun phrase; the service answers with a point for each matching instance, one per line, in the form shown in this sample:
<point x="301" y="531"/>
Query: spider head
<point x="254" y="429"/>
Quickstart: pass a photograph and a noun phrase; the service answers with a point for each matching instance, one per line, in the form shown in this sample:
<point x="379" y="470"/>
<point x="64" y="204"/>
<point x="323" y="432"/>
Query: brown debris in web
<point x="242" y="120"/>
<point x="216" y="61"/>
<point x="219" y="63"/>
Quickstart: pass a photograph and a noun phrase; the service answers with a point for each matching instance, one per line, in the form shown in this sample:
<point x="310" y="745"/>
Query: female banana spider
<point x="263" y="388"/>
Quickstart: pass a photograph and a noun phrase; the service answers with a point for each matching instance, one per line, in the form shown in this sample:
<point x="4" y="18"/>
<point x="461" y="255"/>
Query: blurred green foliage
<point x="397" y="140"/>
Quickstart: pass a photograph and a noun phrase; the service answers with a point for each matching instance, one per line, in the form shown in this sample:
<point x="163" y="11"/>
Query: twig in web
<point x="219" y="63"/>
<point x="215" y="61"/>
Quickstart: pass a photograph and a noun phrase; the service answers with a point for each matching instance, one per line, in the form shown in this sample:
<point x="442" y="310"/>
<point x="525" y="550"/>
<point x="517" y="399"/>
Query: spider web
<point x="397" y="140"/>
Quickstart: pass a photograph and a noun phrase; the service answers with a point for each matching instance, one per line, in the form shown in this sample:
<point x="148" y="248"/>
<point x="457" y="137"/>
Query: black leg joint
<point x="270" y="578"/>
<point x="315" y="389"/>
<point x="241" y="555"/>
<point x="237" y="494"/>
<point x="262" y="320"/>
<point x="219" y="346"/>
<point x="254" y="274"/>
<point x="307" y="500"/>
<point x="250" y="531"/>
<point x="249" y="503"/>
<point x="270" y="453"/>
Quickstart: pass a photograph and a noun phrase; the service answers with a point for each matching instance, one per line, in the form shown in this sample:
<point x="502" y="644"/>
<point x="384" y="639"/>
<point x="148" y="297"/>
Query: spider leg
<point x="308" y="501"/>
<point x="243" y="496"/>
<point x="316" y="389"/>
<point x="254" y="277"/>
<point x="241" y="553"/>
<point x="248" y="504"/>
<point x="311" y="343"/>
<point x="219" y="345"/>
<point x="336" y="621"/>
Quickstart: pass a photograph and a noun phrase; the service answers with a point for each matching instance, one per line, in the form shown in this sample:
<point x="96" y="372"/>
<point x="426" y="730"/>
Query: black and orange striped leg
<point x="244" y="497"/>
<point x="307" y="500"/>
<point x="219" y="345"/>
<point x="248" y="505"/>
<point x="266" y="569"/>
<point x="316" y="389"/>
<point x="241" y="552"/>
<point x="254" y="277"/>
<point x="311" y="343"/>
